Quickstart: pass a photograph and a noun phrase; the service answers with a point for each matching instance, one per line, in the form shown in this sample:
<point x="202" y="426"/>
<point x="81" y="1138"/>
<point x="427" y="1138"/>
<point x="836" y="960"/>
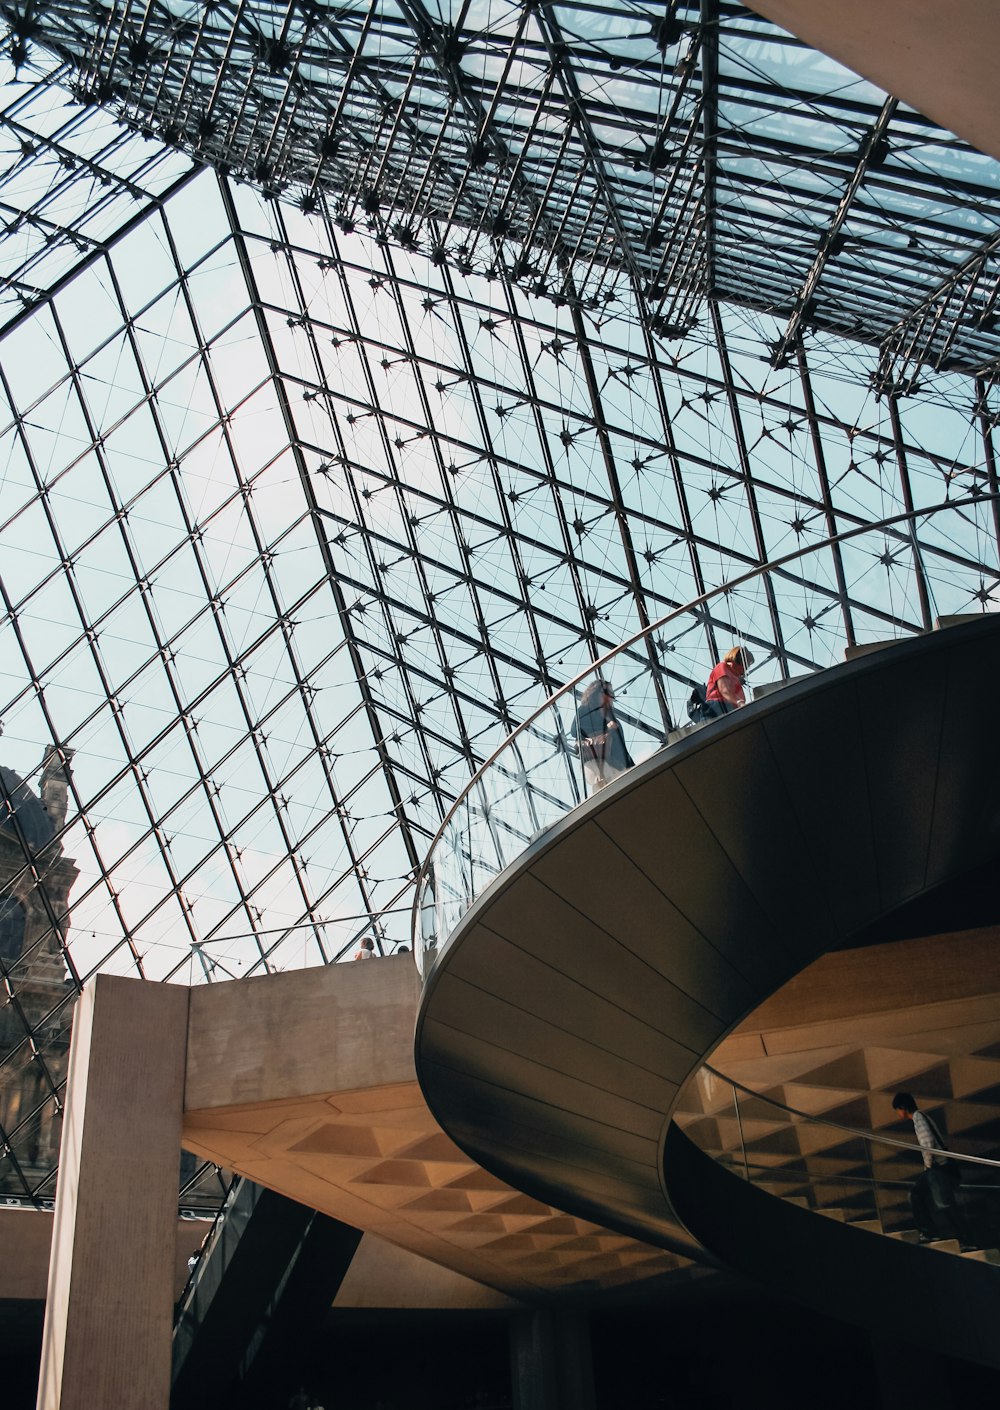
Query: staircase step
<point x="978" y="1255"/>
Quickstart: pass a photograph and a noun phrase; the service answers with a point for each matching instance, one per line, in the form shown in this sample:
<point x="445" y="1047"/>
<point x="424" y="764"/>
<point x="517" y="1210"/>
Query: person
<point x="724" y="689"/>
<point x="599" y="736"/>
<point x="366" y="950"/>
<point x="197" y="1254"/>
<point x="934" y="1191"/>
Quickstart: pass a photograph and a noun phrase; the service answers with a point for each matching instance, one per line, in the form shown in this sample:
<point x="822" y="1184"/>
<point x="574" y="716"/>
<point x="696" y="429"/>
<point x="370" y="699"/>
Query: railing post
<point x="743" y="1144"/>
<point x="875" y="1198"/>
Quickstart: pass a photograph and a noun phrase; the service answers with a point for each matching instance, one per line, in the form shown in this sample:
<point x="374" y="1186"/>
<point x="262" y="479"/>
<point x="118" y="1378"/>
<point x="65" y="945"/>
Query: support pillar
<point x="109" y="1311"/>
<point x="910" y="1377"/>
<point x="550" y="1362"/>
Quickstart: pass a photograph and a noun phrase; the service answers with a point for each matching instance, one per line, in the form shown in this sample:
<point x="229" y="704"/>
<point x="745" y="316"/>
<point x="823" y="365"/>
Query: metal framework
<point x="364" y="373"/>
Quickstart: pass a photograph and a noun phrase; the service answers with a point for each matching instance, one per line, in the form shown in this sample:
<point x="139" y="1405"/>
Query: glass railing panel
<point x="855" y="1177"/>
<point x="870" y="585"/>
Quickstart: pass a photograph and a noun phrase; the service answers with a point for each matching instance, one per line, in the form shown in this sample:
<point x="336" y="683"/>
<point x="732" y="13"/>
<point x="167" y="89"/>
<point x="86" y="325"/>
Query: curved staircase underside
<point x="585" y="988"/>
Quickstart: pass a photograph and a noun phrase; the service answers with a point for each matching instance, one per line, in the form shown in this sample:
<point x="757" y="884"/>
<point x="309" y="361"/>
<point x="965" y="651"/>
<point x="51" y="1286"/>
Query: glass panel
<point x="311" y="499"/>
<point x="861" y="1178"/>
<point x="911" y="569"/>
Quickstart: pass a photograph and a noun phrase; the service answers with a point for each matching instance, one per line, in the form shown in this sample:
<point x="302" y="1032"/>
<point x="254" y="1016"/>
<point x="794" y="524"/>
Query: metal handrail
<point x="910" y="516"/>
<point x="783" y="1172"/>
<point x="850" y="1130"/>
<point x="207" y="1245"/>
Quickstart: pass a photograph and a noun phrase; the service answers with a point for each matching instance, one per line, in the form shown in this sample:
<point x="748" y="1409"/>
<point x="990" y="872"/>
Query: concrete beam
<point x="26" y="1240"/>
<point x="384" y="1276"/>
<point x="278" y="1038"/>
<point x="941" y="59"/>
<point x="305" y="1083"/>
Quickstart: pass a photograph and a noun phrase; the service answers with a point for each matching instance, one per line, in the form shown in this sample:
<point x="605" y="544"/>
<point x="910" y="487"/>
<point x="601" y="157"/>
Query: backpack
<point x="697" y="706"/>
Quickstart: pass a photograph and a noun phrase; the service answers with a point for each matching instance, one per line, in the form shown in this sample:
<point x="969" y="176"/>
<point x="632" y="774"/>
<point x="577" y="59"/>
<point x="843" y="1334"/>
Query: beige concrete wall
<point x="846" y="985"/>
<point x="106" y="1344"/>
<point x="26" y="1239"/>
<point x="938" y="57"/>
<point x="382" y="1275"/>
<point x="291" y="1035"/>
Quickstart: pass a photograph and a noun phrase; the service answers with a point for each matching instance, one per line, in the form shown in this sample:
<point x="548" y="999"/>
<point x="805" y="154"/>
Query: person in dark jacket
<point x="599" y="736"/>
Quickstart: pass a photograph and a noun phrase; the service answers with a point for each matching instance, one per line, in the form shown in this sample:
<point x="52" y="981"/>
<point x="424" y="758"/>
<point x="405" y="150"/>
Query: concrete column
<point x="910" y="1377"/>
<point x="550" y="1363"/>
<point x="108" y="1316"/>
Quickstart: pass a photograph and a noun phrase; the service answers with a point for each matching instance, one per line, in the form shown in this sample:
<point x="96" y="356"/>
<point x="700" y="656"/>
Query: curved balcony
<point x="585" y="951"/>
<point x="929" y="574"/>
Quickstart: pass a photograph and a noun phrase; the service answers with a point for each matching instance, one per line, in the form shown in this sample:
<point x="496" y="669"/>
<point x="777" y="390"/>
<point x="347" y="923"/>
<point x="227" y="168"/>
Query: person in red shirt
<point x="724" y="691"/>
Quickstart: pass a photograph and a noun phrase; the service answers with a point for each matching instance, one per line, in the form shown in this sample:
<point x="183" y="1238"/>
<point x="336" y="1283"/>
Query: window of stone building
<point x="11" y="929"/>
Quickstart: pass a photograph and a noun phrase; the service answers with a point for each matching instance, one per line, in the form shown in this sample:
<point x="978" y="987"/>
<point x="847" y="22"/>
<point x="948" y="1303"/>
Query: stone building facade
<point x="37" y="998"/>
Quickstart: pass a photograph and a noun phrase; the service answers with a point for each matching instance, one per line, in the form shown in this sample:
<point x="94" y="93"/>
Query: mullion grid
<point x="163" y="649"/>
<point x="861" y="436"/>
<point x="816" y="500"/>
<point x="163" y="654"/>
<point x="395" y="809"/>
<point x="549" y="408"/>
<point x="409" y="670"/>
<point x="59" y="158"/>
<point x="228" y="672"/>
<point x="616" y="326"/>
<point x="383" y="736"/>
<point x="455" y="515"/>
<point x="500" y="708"/>
<point x="418" y="81"/>
<point x="303" y="690"/>
<point x="466" y="373"/>
<point x="87" y="633"/>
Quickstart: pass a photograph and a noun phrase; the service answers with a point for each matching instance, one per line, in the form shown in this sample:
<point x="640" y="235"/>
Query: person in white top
<point x="933" y="1196"/>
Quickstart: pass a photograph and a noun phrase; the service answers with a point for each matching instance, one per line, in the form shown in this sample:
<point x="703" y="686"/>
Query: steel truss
<point x="541" y="327"/>
<point x="589" y="152"/>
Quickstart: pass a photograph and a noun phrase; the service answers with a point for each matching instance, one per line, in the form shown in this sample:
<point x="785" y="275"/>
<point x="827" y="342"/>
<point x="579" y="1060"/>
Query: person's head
<point x="368" y="944"/>
<point x="903" y="1103"/>
<point x="739" y="658"/>
<point x="597" y="691"/>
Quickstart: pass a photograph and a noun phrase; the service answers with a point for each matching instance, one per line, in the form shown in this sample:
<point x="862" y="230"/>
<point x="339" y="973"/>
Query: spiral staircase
<point x="567" y="1017"/>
